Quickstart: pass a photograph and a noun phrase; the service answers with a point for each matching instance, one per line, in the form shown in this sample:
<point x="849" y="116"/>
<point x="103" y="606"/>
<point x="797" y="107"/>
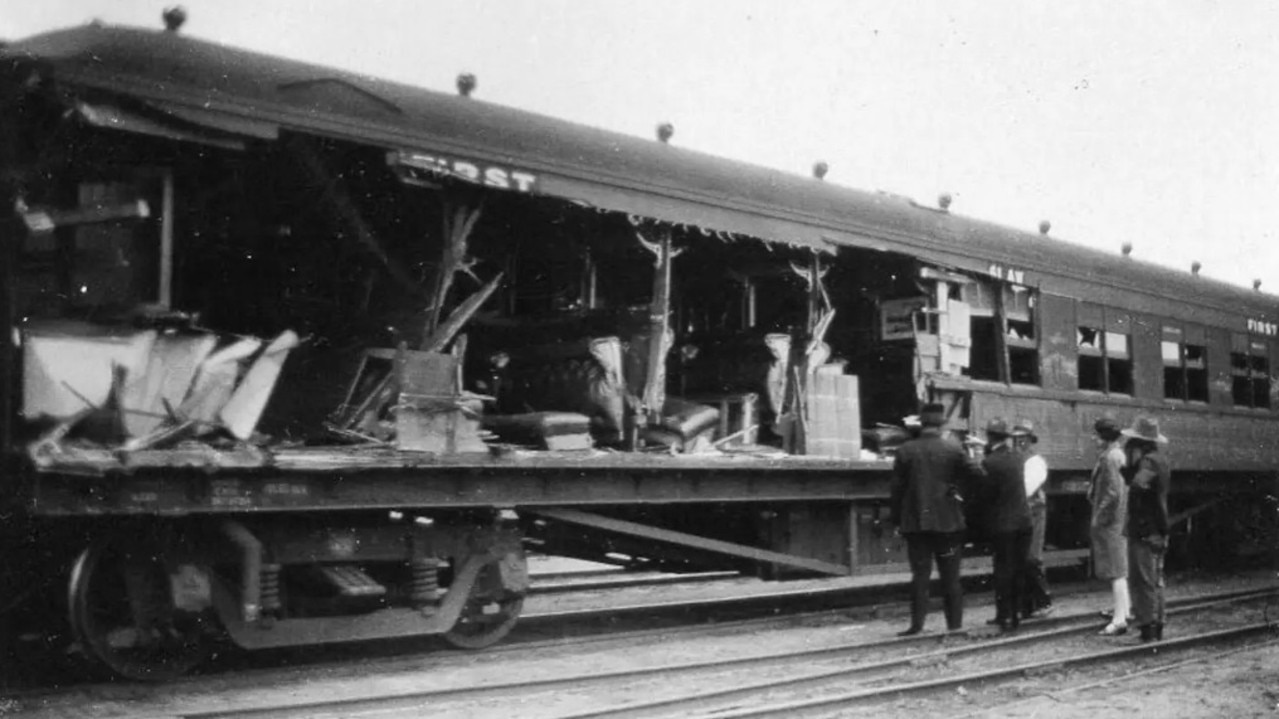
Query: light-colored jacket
<point x="1109" y="498"/>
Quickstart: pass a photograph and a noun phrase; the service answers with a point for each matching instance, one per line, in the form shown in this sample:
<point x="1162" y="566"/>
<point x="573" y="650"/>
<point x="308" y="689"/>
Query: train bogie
<point x="151" y="598"/>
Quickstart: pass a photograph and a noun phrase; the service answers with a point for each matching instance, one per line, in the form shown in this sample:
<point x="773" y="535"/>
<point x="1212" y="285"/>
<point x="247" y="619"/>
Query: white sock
<point x="1122" y="605"/>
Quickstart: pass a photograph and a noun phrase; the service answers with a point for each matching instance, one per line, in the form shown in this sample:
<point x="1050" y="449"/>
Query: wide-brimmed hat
<point x="1145" y="428"/>
<point x="997" y="427"/>
<point x="1025" y="428"/>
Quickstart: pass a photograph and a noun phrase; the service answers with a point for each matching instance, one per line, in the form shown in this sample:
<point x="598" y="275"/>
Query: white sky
<point x="1150" y="122"/>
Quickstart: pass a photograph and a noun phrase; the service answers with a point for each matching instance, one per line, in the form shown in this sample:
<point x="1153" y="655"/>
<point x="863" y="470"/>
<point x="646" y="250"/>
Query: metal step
<point x="350" y="581"/>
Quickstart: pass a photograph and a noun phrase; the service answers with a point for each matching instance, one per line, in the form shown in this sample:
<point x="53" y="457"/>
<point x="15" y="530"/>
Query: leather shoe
<point x="1114" y="630"/>
<point x="910" y="631"/>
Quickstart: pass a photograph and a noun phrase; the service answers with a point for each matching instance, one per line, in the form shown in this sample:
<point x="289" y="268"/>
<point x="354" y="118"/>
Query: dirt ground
<point x="1243" y="684"/>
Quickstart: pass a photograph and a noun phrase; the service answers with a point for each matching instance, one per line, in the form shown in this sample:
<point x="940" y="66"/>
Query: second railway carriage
<point x="301" y="356"/>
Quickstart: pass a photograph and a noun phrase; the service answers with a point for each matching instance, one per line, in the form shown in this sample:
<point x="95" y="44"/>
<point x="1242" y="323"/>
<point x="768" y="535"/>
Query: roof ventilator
<point x="174" y="17"/>
<point x="465" y="84"/>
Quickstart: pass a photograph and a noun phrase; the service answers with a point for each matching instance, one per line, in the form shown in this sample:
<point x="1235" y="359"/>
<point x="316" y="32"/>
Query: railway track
<point x="619" y="579"/>
<point x="772" y="683"/>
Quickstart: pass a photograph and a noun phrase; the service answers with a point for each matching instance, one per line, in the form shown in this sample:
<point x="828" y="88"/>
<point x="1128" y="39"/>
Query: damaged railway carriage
<point x="301" y="356"/>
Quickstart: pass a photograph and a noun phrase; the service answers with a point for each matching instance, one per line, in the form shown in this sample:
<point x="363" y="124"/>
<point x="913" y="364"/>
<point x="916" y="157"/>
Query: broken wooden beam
<point x="458" y="318"/>
<point x="47" y="219"/>
<point x="459" y="219"/>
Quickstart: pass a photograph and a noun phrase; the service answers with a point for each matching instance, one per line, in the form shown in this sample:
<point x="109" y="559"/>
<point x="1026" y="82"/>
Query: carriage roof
<point x="243" y="93"/>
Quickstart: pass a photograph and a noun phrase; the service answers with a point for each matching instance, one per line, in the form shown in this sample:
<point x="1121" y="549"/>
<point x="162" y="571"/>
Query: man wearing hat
<point x="1036" y="600"/>
<point x="1009" y="518"/>
<point x="931" y="476"/>
<point x="1148" y="524"/>
<point x="1109" y="499"/>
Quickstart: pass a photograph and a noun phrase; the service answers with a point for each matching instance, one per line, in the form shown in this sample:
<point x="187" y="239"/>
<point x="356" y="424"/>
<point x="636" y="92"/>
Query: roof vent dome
<point x="466" y="84"/>
<point x="174" y="17"/>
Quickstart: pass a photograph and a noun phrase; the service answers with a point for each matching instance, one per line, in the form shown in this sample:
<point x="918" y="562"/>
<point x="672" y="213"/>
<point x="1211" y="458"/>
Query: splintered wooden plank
<point x="241" y="413"/>
<point x="173" y="364"/>
<point x="215" y="381"/>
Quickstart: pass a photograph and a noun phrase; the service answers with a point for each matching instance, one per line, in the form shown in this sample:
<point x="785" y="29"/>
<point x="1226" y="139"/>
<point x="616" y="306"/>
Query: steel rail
<point x="1074" y="625"/>
<point x="1078" y="623"/>
<point x="564" y="586"/>
<point x="849" y="699"/>
<point x="1159" y="669"/>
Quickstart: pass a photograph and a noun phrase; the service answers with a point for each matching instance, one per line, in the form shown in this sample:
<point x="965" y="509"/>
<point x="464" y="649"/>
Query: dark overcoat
<point x="930" y="477"/>
<point x="1148" y="498"/>
<point x="1005" y="481"/>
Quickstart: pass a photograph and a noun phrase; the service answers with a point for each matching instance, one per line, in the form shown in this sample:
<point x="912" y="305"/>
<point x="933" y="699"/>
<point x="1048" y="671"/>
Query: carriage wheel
<point x="123" y="614"/>
<point x="490" y="613"/>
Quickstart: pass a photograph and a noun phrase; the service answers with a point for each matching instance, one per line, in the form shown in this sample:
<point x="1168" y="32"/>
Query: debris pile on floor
<point x="172" y="396"/>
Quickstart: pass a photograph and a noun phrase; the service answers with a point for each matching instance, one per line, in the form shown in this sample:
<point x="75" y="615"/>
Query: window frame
<point x="1106" y="325"/>
<point x="1250" y="348"/>
<point x="1192" y="374"/>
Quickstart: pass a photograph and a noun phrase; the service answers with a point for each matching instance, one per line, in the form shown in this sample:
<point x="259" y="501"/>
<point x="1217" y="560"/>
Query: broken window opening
<point x="1105" y="362"/>
<point x="1005" y="345"/>
<point x="90" y="269"/>
<point x="1250" y="374"/>
<point x="1185" y="368"/>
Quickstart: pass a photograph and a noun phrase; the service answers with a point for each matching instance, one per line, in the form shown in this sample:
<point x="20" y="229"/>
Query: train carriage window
<point x="86" y="269"/>
<point x="1092" y="362"/>
<point x="1118" y="363"/>
<point x="1020" y="336"/>
<point x="1185" y="367"/>
<point x="1250" y="374"/>
<point x="1105" y="360"/>
<point x="983" y="354"/>
<point x="1005" y="344"/>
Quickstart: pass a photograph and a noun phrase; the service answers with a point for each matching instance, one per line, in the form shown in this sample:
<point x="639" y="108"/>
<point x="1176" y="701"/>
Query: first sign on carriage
<point x="429" y="167"/>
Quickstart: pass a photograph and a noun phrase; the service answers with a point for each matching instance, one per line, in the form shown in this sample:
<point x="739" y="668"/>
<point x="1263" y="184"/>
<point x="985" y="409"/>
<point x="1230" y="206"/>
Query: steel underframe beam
<point x="587" y="519"/>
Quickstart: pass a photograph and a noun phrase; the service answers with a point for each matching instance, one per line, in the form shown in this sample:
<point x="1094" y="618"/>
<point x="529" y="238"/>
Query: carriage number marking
<point x="1017" y="277"/>
<point x="229" y="493"/>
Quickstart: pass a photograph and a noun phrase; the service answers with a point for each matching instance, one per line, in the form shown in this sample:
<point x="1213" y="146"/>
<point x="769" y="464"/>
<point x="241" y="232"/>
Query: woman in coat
<point x="1108" y="495"/>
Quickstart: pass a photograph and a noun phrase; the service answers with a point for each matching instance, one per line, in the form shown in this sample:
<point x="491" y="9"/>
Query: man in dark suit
<point x="930" y="477"/>
<point x="1009" y="518"/>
